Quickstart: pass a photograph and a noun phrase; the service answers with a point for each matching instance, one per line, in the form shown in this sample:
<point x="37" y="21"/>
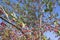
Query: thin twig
<point x="4" y="12"/>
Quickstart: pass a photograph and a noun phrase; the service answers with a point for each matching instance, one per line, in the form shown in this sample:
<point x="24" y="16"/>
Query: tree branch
<point x="11" y="24"/>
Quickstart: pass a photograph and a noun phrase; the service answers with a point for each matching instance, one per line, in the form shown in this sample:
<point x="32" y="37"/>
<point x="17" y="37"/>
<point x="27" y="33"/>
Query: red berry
<point x="3" y="24"/>
<point x="1" y="12"/>
<point x="29" y="30"/>
<point x="24" y="31"/>
<point x="55" y="30"/>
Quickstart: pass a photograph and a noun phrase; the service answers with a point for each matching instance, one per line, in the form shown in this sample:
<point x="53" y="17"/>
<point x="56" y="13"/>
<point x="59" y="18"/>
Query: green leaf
<point x="50" y="4"/>
<point x="46" y="10"/>
<point x="51" y="9"/>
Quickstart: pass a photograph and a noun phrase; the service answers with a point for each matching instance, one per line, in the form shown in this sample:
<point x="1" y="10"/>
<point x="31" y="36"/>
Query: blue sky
<point x="52" y="34"/>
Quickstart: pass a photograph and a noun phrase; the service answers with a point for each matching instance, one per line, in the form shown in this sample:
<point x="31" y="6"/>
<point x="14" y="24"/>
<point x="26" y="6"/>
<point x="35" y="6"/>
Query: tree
<point x="31" y="12"/>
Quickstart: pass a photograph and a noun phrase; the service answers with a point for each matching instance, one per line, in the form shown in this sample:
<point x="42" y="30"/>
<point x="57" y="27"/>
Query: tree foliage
<point x="29" y="12"/>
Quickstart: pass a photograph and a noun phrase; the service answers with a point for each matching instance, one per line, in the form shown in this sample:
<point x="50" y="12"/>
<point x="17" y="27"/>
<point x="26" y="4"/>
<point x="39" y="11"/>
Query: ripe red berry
<point x="3" y="24"/>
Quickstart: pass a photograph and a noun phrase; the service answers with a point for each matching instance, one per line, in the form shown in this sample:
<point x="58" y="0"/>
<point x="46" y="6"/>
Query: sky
<point x="48" y="33"/>
<point x="52" y="34"/>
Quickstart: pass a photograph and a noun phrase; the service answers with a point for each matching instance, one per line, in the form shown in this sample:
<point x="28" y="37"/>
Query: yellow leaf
<point x="44" y="38"/>
<point x="6" y="33"/>
<point x="55" y="23"/>
<point x="59" y="31"/>
<point x="23" y="24"/>
<point x="14" y="19"/>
